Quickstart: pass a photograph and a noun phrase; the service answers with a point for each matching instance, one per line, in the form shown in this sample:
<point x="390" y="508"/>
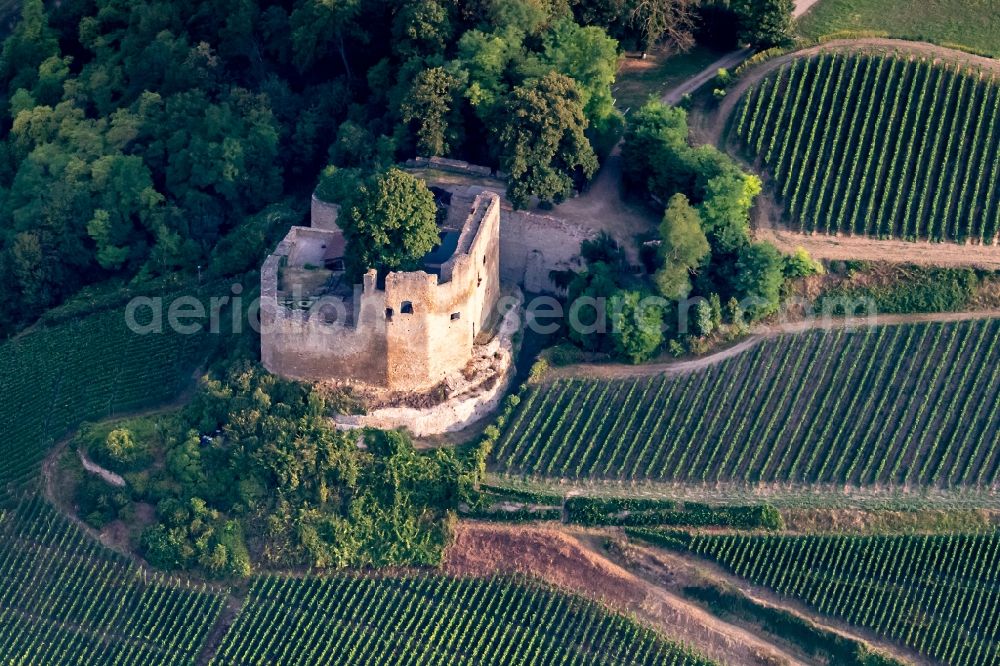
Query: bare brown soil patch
<point x="484" y="549"/>
<point x="572" y="562"/>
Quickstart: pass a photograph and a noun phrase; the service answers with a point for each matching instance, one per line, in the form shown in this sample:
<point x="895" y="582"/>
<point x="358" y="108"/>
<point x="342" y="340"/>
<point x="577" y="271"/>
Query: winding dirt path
<point x="761" y="333"/>
<point x="802" y="6"/>
<point x="676" y="94"/>
<point x="672" y="570"/>
<point x="107" y="475"/>
<point x="602" y="207"/>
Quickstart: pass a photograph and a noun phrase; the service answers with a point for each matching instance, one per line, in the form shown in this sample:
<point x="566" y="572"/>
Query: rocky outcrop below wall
<point x="474" y="398"/>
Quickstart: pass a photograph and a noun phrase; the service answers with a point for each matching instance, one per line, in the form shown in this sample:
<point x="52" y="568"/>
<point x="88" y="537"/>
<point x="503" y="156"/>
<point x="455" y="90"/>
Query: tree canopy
<point x="390" y="223"/>
<point x="542" y="142"/>
<point x="683" y="246"/>
<point x="135" y="137"/>
<point x="306" y="492"/>
<point x="765" y="23"/>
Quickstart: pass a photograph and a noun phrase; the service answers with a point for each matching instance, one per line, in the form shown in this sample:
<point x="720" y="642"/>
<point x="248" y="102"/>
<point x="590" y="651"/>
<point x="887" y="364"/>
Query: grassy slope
<point x="637" y="80"/>
<point x="973" y="23"/>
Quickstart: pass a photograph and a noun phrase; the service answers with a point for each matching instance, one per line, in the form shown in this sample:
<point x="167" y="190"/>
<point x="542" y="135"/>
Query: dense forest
<point x="135" y="137"/>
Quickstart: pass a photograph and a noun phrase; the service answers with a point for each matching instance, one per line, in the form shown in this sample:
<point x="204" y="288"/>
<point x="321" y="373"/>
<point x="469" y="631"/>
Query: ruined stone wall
<point x="301" y="345"/>
<point x="382" y="344"/>
<point x="427" y="345"/>
<point x="450" y="165"/>
<point x="533" y="245"/>
<point x="324" y="215"/>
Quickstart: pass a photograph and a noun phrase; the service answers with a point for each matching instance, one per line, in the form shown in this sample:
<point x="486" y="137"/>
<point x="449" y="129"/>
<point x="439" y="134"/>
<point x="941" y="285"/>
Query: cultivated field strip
<point x="65" y="599"/>
<point x="939" y="595"/>
<point x="429" y="620"/>
<point x="879" y="146"/>
<point x="912" y="404"/>
<point x="54" y="378"/>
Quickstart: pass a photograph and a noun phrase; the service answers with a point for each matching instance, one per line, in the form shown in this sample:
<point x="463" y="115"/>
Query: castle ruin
<point x="406" y="332"/>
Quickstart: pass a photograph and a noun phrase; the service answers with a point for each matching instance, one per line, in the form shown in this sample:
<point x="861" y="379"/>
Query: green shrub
<point x="915" y="290"/>
<point x="648" y="512"/>
<point x="99" y="503"/>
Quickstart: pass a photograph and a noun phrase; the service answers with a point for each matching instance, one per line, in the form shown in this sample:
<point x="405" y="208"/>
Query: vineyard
<point x="65" y="599"/>
<point x="433" y="620"/>
<point x="939" y="595"/>
<point x="54" y="378"/>
<point x="879" y="146"/>
<point x="907" y="404"/>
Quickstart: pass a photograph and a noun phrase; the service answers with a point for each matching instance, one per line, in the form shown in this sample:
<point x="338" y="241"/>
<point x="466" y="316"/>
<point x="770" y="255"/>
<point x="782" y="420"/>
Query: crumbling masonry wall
<point x="408" y="336"/>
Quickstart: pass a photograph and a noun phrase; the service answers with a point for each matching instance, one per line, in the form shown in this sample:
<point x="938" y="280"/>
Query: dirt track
<point x="622" y="370"/>
<point x="674" y="570"/>
<point x="637" y="579"/>
<point x="711" y="129"/>
<point x="676" y="94"/>
<point x="802" y="6"/>
<point x="563" y="560"/>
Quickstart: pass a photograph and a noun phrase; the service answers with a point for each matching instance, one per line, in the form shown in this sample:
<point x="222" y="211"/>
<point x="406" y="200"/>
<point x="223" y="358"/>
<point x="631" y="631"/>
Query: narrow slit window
<point x="388" y="314"/>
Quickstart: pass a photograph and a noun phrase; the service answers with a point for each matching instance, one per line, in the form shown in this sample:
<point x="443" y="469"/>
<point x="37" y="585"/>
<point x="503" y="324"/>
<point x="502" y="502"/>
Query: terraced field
<point x="433" y="620"/>
<point x="879" y="146"/>
<point x="64" y="599"/>
<point x="54" y="378"/>
<point x="910" y="404"/>
<point x="939" y="595"/>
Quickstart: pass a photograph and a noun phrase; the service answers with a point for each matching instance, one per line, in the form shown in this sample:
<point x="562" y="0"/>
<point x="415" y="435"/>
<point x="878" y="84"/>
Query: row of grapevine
<point x="880" y="146"/>
<point x="939" y="595"/>
<point x="54" y="378"/>
<point x="910" y="405"/>
<point x="430" y="620"/>
<point x="64" y="599"/>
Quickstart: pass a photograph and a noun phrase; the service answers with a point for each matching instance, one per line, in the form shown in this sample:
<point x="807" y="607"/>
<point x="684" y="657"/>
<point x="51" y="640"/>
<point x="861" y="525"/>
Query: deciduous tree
<point x="670" y="21"/>
<point x="764" y="23"/>
<point x="543" y="147"/>
<point x="391" y="223"/>
<point x="759" y="278"/>
<point x="431" y="109"/>
<point x="637" y="326"/>
<point x="683" y="246"/>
